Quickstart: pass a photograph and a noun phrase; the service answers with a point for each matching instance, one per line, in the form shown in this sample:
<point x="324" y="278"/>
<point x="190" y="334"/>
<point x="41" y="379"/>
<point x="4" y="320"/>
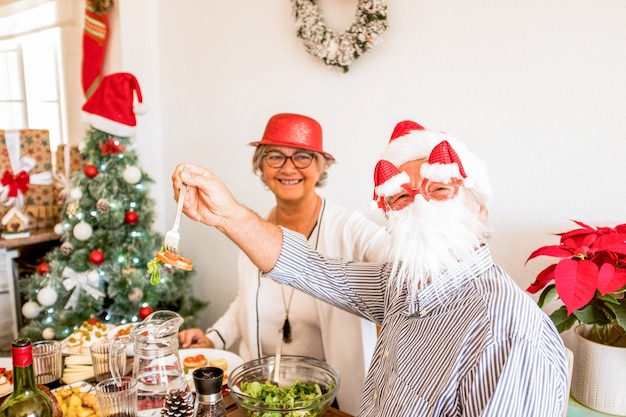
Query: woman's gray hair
<point x="257" y="163"/>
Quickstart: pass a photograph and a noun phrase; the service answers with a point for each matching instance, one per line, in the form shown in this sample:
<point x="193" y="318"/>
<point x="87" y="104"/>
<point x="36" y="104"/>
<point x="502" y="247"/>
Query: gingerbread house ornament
<point x="15" y="224"/>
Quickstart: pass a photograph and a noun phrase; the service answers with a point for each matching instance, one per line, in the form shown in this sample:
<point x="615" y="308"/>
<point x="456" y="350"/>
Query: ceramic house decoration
<point x="15" y="224"/>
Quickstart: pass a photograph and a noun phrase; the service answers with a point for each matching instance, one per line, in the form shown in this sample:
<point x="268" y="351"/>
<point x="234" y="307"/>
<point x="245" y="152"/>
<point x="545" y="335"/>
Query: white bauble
<point x="47" y="296"/>
<point x="82" y="230"/>
<point x="48" y="333"/>
<point x="132" y="174"/>
<point x="93" y="278"/>
<point x="30" y="309"/>
<point x="59" y="229"/>
<point x="76" y="194"/>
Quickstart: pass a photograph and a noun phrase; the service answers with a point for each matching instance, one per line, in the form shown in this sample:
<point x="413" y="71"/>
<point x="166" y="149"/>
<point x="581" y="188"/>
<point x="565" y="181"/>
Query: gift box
<point x="26" y="173"/>
<point x="68" y="162"/>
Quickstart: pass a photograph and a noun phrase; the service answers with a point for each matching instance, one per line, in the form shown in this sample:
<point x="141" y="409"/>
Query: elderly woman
<point x="291" y="162"/>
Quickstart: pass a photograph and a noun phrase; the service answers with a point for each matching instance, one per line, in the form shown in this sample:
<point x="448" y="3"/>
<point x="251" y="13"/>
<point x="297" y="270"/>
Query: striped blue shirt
<point x="472" y="344"/>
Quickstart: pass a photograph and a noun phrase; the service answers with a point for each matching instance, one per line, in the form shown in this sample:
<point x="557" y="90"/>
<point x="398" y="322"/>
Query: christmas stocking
<point x="95" y="34"/>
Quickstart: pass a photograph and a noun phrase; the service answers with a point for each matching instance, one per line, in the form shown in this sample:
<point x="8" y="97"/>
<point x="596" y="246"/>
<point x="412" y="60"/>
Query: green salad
<point x="298" y="395"/>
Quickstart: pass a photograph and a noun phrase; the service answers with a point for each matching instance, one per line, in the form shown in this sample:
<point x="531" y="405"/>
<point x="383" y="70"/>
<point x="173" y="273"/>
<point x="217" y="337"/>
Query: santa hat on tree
<point x="111" y="108"/>
<point x="410" y="141"/>
<point x="95" y="35"/>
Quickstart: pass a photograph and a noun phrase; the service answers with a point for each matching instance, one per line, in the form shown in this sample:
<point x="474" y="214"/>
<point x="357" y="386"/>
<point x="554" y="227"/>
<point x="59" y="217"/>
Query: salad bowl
<point x="306" y="387"/>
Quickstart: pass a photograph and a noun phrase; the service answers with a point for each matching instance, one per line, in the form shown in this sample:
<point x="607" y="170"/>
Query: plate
<point x="232" y="361"/>
<point x="82" y="347"/>
<point x="6" y="388"/>
<point x="84" y="386"/>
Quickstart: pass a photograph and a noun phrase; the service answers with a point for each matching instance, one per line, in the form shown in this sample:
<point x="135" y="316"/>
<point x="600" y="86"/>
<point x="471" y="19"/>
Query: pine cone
<point x="178" y="404"/>
<point x="103" y="205"/>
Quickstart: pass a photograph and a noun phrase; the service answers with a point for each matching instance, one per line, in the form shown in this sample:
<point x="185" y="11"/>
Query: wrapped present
<point x="68" y="162"/>
<point x="26" y="171"/>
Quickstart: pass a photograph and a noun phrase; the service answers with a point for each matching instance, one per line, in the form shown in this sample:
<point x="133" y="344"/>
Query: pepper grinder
<point x="209" y="400"/>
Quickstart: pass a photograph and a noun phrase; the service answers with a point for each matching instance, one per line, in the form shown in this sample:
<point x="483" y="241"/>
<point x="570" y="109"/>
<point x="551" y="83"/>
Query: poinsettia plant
<point x="590" y="280"/>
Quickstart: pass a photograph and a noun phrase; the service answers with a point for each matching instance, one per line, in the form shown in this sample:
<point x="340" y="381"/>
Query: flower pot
<point x="598" y="377"/>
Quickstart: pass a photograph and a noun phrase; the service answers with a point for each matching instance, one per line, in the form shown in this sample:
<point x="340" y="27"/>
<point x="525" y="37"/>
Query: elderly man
<point x="458" y="337"/>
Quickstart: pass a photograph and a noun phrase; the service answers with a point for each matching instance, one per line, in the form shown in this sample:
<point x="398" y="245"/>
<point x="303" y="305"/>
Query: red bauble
<point x="43" y="268"/>
<point x="90" y="171"/>
<point x="145" y="312"/>
<point x="131" y="218"/>
<point x="96" y="257"/>
<point x="93" y="320"/>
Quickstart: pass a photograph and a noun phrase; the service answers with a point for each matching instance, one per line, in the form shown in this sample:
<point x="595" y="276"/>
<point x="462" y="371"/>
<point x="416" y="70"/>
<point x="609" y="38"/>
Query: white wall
<point x="537" y="88"/>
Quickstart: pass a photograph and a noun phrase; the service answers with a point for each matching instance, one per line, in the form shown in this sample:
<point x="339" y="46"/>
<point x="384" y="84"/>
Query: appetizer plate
<point x="82" y="348"/>
<point x="84" y="387"/>
<point x="232" y="361"/>
<point x="123" y="330"/>
<point x="5" y="387"/>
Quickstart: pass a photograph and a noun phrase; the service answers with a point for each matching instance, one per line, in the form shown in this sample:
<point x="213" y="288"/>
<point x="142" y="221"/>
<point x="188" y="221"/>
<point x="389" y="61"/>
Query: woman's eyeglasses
<point x="300" y="159"/>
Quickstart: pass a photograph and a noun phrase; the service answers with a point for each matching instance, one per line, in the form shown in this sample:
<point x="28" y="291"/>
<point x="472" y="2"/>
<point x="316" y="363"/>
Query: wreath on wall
<point x="340" y="49"/>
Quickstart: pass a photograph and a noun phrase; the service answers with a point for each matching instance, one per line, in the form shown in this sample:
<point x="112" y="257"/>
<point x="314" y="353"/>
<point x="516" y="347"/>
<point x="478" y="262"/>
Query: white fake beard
<point x="430" y="237"/>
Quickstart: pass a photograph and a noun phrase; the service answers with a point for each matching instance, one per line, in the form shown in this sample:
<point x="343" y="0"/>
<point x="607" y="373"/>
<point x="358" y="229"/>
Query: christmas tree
<point x="100" y="268"/>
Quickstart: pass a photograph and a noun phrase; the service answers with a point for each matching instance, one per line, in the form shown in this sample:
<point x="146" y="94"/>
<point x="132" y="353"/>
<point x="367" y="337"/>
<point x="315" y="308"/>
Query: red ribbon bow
<point x="111" y="147"/>
<point x="16" y="183"/>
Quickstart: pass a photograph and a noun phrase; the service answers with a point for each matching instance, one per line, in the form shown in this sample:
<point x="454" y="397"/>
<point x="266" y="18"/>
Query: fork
<point x="173" y="237"/>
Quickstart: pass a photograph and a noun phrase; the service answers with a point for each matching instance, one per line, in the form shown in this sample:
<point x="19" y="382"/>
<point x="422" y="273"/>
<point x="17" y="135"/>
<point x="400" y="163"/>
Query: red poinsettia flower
<point x="590" y="279"/>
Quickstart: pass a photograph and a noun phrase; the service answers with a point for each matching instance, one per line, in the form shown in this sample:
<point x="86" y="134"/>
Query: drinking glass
<point x="117" y="397"/>
<point x="47" y="361"/>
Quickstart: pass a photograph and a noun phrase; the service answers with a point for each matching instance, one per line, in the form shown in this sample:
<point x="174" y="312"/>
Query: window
<point x="31" y="82"/>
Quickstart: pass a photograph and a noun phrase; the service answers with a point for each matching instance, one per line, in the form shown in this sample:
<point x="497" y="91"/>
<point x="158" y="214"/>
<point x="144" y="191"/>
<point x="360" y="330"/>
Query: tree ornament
<point x="103" y="205"/>
<point x="30" y="309"/>
<point x="72" y="209"/>
<point x="96" y="257"/>
<point x="48" y="333"/>
<point x="76" y="194"/>
<point x="111" y="147"/>
<point x="144" y="312"/>
<point x="59" y="229"/>
<point x="132" y="174"/>
<point x="82" y="231"/>
<point x="178" y="404"/>
<point x="136" y="294"/>
<point x="93" y="277"/>
<point x="90" y="171"/>
<point x="340" y="49"/>
<point x="47" y="296"/>
<point x="131" y="218"/>
<point x="67" y="248"/>
<point x="43" y="268"/>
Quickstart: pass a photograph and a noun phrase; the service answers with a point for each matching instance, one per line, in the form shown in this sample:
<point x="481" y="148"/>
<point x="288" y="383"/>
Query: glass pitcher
<point x="156" y="363"/>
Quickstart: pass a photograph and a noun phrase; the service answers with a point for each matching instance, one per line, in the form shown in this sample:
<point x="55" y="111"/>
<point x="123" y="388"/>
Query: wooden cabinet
<point x="12" y="252"/>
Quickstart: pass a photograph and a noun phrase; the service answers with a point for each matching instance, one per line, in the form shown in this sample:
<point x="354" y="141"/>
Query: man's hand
<point x="209" y="201"/>
<point x="194" y="338"/>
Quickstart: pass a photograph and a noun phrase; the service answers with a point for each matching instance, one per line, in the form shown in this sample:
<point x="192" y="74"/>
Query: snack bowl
<point x="252" y="387"/>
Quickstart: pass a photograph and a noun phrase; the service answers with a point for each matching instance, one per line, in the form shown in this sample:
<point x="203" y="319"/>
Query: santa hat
<point x="443" y="164"/>
<point x="388" y="181"/>
<point x="410" y="141"/>
<point x="111" y="109"/>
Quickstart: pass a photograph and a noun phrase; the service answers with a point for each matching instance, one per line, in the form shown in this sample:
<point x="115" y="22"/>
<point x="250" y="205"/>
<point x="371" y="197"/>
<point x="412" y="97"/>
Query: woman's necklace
<point x="287" y="304"/>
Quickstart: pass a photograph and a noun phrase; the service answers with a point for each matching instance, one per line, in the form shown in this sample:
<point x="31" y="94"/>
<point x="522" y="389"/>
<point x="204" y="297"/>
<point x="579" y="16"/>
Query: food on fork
<point x="197" y="361"/>
<point x="165" y="256"/>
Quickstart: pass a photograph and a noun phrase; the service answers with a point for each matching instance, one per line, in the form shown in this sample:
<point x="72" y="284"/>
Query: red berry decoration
<point x="90" y="171"/>
<point x="96" y="257"/>
<point x="145" y="312"/>
<point x="131" y="218"/>
<point x="43" y="268"/>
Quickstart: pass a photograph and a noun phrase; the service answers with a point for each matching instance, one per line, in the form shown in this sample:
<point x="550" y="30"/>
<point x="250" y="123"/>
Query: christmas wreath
<point x="340" y="49"/>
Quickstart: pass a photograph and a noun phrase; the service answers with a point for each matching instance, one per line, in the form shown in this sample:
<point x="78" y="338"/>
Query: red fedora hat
<point x="293" y="130"/>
